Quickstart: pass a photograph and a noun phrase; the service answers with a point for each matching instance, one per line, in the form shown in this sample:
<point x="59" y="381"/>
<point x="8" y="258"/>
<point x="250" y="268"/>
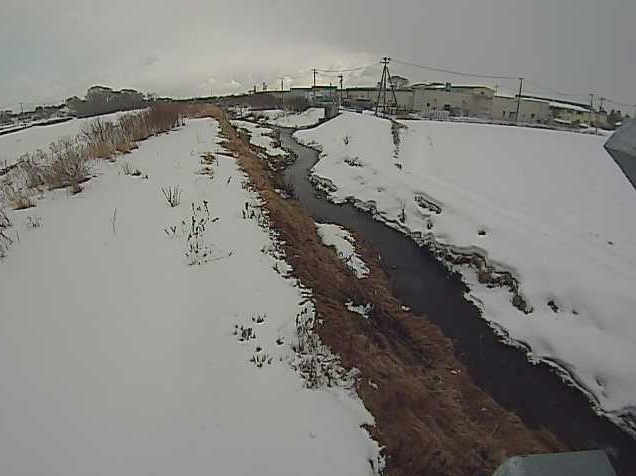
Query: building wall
<point x="505" y="108"/>
<point x="404" y="97"/>
<point x="570" y="115"/>
<point x="429" y="100"/>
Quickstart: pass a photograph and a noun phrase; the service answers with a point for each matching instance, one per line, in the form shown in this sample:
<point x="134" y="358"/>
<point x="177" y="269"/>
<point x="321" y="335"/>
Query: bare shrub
<point x="172" y="195"/>
<point x="69" y="165"/>
<point x="5" y="240"/>
<point x="99" y="135"/>
<point x="17" y="197"/>
<point x="4" y="220"/>
<point x="130" y="170"/>
<point x="289" y="190"/>
<point x="32" y="165"/>
<point x="34" y="222"/>
<point x="134" y="126"/>
<point x="163" y="116"/>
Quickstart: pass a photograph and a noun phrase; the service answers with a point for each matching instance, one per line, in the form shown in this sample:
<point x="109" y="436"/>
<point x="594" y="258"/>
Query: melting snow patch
<point x="362" y="309"/>
<point x="278" y="117"/>
<point x="343" y="242"/>
<point x="261" y="137"/>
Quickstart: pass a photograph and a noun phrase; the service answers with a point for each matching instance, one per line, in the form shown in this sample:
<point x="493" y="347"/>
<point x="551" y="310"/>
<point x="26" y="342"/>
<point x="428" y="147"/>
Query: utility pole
<point x="600" y="110"/>
<point x="519" y="100"/>
<point x="341" y="78"/>
<point x="386" y="76"/>
<point x="281" y="92"/>
<point x="589" y="119"/>
<point x="315" y="78"/>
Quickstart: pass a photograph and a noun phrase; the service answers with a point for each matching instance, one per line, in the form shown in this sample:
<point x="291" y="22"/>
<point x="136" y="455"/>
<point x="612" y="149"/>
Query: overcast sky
<point x="50" y="50"/>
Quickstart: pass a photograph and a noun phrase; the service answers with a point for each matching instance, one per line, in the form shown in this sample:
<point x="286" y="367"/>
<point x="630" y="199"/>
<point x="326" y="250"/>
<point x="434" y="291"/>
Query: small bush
<point x="34" y="222"/>
<point x="172" y="195"/>
<point x="16" y="197"/>
<point x="69" y="165"/>
<point x="130" y="170"/>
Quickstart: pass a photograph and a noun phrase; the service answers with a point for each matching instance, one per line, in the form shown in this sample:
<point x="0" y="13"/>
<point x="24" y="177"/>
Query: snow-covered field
<point x="260" y="136"/>
<point x="550" y="207"/>
<point x="28" y="141"/>
<point x="278" y="117"/>
<point x="137" y="338"/>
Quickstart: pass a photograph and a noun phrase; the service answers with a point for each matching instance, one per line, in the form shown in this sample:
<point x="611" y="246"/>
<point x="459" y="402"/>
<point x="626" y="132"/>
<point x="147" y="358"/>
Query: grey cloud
<point x="51" y="50"/>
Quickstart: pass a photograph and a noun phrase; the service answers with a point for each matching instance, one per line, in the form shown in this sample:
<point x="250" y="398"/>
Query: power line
<point x="552" y="91"/>
<point x="457" y="73"/>
<point x="348" y="70"/>
<point x="618" y="103"/>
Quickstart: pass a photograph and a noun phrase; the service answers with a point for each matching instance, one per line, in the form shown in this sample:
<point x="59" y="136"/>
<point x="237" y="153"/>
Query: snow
<point x="344" y="243"/>
<point x="572" y="107"/>
<point x="307" y="118"/>
<point x="29" y="140"/>
<point x="362" y="309"/>
<point x="260" y="137"/>
<point x="551" y="207"/>
<point x="118" y="356"/>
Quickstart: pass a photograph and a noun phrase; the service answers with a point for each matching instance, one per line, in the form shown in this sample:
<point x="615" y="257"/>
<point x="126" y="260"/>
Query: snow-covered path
<point x="119" y="357"/>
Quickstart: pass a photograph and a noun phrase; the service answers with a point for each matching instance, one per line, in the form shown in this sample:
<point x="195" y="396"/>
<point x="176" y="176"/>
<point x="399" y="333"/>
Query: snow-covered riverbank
<point x="139" y="338"/>
<point x="549" y="207"/>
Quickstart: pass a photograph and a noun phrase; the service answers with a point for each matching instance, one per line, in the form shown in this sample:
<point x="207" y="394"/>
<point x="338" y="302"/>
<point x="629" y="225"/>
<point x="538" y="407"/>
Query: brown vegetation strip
<point x="430" y="416"/>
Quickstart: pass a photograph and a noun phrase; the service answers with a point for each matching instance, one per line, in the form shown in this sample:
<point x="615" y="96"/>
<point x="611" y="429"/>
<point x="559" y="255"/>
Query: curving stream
<point x="534" y="392"/>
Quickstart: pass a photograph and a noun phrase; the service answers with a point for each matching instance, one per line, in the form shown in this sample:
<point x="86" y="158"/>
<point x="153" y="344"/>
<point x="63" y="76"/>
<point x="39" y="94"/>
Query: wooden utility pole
<point x="341" y="78"/>
<point x="589" y="119"/>
<point x="315" y="78"/>
<point x="519" y="101"/>
<point x="281" y="92"/>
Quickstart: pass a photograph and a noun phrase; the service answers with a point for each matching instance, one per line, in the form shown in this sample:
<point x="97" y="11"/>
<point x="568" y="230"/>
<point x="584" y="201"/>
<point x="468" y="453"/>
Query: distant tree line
<point x="104" y="100"/>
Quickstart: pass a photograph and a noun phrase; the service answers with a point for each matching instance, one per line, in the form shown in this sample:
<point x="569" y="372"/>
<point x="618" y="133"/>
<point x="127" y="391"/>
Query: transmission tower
<point x="382" y="86"/>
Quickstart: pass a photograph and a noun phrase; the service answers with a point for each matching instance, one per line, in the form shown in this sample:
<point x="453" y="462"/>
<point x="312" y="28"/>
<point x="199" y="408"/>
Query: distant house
<point x="566" y="113"/>
<point x="504" y="108"/>
<point x="458" y="100"/>
<point x="6" y="117"/>
<point x="367" y="97"/>
<point x="399" y="82"/>
<point x="315" y="94"/>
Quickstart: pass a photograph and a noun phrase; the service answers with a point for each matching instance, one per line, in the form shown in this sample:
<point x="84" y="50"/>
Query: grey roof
<point x="581" y="463"/>
<point x="622" y="147"/>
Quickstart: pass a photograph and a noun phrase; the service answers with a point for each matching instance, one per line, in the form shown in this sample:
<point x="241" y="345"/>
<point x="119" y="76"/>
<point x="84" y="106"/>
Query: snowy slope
<point x="16" y="144"/>
<point x="550" y="207"/>
<point x="278" y="117"/>
<point x="260" y="136"/>
<point x="118" y="356"/>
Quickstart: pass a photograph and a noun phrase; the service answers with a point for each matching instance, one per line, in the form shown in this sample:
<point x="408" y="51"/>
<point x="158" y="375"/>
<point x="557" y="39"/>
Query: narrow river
<point x="533" y="392"/>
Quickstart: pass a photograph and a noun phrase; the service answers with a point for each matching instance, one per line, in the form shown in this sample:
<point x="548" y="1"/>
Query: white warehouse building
<point x="504" y="108"/>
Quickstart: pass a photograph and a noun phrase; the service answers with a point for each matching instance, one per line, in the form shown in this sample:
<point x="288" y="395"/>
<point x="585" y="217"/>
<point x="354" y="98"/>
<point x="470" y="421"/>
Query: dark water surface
<point x="418" y="280"/>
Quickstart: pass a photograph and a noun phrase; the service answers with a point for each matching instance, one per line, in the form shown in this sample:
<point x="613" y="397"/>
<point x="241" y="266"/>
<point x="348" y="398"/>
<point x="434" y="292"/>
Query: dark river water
<point x="418" y="280"/>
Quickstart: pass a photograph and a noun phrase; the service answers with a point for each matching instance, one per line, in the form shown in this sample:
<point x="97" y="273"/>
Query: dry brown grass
<point x="16" y="197"/>
<point x="430" y="416"/>
<point x="67" y="163"/>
